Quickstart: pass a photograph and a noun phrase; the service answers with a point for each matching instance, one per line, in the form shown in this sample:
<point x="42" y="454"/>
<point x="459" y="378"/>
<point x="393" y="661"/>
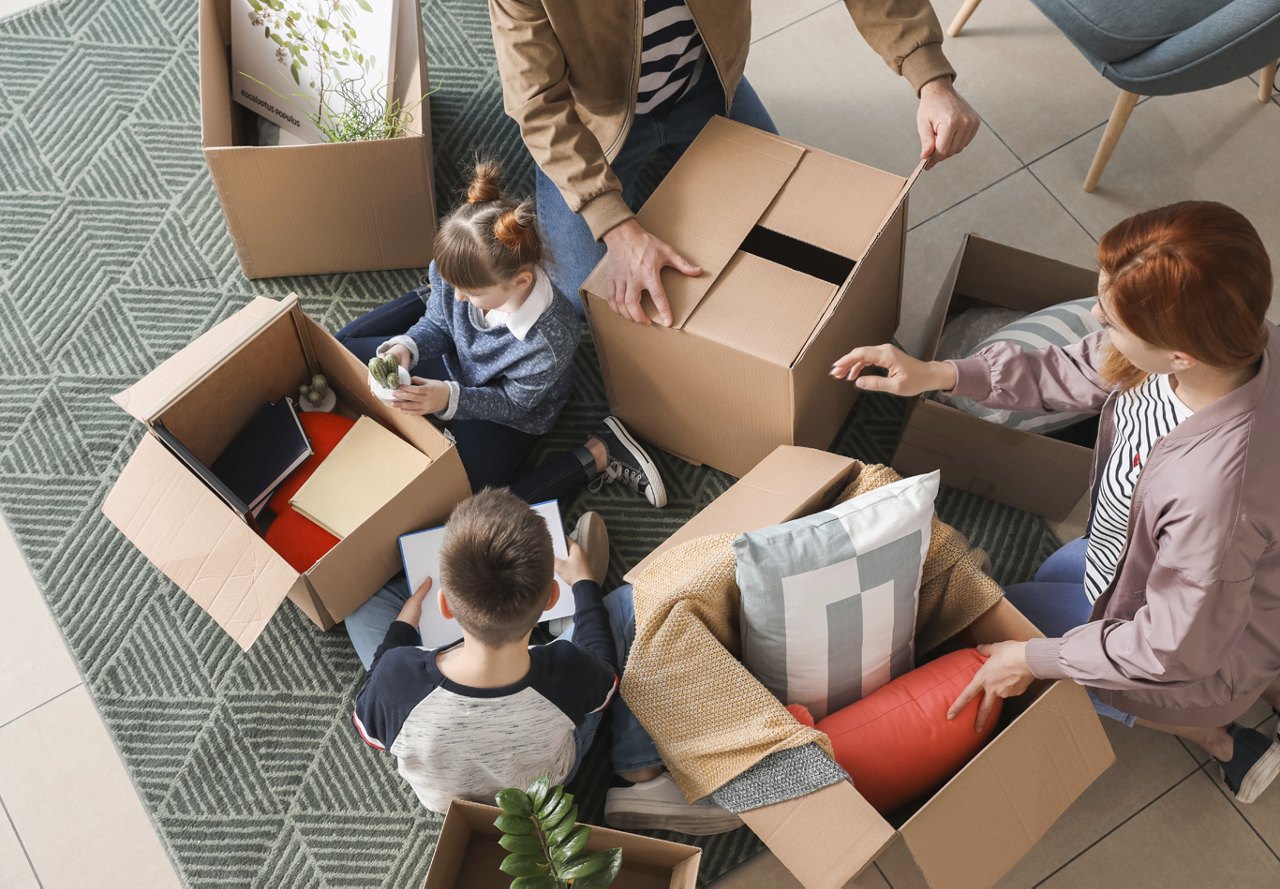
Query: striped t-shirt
<point x="672" y="54"/>
<point x="1143" y="415"/>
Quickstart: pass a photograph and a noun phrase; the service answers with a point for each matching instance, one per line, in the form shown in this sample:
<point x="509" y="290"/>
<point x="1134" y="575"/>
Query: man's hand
<point x="423" y="396"/>
<point x="574" y="567"/>
<point x="1004" y="675"/>
<point x="636" y="260"/>
<point x="946" y="122"/>
<point x="411" y="611"/>
<point x="906" y="376"/>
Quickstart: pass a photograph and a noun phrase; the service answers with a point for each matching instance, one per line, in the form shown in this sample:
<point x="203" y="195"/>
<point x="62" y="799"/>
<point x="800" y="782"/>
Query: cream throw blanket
<point x="710" y="718"/>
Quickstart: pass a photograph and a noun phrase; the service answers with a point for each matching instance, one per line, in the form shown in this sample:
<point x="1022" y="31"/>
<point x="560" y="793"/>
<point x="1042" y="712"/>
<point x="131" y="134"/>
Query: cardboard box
<point x="802" y="258"/>
<point x="467" y="854"/>
<point x="977" y="826"/>
<point x="204" y="394"/>
<point x="315" y="209"/>
<point x="1028" y="471"/>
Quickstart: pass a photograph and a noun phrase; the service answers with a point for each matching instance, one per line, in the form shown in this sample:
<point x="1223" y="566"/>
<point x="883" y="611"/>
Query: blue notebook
<point x="261" y="456"/>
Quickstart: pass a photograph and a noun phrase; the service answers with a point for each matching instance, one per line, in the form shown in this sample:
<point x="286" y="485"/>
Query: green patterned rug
<point x="113" y="255"/>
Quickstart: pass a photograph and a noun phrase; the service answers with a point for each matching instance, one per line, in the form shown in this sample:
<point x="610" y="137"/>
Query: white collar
<point x="521" y="321"/>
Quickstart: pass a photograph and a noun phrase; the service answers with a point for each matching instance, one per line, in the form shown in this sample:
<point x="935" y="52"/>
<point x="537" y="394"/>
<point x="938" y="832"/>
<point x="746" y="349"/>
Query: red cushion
<point x="325" y="431"/>
<point x="300" y="541"/>
<point x="897" y="743"/>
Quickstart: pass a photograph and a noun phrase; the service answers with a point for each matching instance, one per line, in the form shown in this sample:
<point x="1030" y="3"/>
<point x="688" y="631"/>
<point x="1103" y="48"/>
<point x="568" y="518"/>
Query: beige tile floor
<point x="1158" y="818"/>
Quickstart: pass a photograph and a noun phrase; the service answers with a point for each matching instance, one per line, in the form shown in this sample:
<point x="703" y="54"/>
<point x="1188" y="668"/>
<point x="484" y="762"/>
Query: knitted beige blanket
<point x="710" y="719"/>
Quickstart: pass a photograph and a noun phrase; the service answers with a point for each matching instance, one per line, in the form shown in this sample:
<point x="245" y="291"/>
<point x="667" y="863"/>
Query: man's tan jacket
<point x="570" y="69"/>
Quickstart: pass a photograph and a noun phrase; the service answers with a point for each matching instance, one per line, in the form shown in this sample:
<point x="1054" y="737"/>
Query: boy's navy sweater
<point x="454" y="741"/>
<point x="519" y="376"/>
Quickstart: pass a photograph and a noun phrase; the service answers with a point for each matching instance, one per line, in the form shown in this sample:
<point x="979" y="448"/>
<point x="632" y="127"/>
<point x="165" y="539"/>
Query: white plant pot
<point x="328" y="403"/>
<point x="388" y="395"/>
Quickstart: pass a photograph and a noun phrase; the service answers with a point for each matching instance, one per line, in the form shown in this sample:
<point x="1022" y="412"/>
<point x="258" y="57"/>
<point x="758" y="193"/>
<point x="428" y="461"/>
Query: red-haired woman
<point x="1169" y="611"/>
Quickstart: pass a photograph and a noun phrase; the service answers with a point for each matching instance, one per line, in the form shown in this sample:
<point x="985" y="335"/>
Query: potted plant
<point x="386" y="376"/>
<point x="316" y="395"/>
<point x="545" y="843"/>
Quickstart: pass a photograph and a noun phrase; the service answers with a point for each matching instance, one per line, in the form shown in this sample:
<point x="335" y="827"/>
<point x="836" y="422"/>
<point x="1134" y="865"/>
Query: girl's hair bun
<point x="484" y="186"/>
<point x="509" y="231"/>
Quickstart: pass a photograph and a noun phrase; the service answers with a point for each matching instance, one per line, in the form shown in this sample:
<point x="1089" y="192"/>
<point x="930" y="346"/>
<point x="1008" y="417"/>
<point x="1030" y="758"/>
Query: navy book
<point x="261" y="456"/>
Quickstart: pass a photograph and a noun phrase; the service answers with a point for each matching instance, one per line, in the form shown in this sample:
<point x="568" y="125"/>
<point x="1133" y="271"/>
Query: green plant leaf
<point x="606" y="875"/>
<point x="583" y="866"/>
<point x="279" y="41"/>
<point x="543" y="881"/>
<point x="522" y="865"/>
<point x="563" y="829"/>
<point x="512" y="800"/>
<point x="552" y="800"/>
<point x="556" y="815"/>
<point x="571" y="846"/>
<point x="293" y="69"/>
<point x="527" y="844"/>
<point x="325" y="24"/>
<point x="364" y="4"/>
<point x="514" y="824"/>
<point x="538" y="791"/>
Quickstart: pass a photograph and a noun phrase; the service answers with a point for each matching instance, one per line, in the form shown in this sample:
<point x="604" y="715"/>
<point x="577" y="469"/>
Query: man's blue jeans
<point x="632" y="747"/>
<point x="1055" y="602"/>
<point x="574" y="252"/>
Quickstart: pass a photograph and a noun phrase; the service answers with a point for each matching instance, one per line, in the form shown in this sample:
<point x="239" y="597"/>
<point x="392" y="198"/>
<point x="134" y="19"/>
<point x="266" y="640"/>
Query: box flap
<point x="824" y="838"/>
<point x="937" y="317"/>
<point x="789" y="482"/>
<point x="711" y="199"/>
<point x="145" y="399"/>
<point x="989" y="815"/>
<point x="761" y="308"/>
<point x="190" y="535"/>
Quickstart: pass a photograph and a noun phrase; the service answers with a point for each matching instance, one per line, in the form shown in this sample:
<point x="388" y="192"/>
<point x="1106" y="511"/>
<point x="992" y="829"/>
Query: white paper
<point x="420" y="552"/>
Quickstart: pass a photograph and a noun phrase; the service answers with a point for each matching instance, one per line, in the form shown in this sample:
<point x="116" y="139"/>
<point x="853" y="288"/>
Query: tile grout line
<point x="80" y="684"/>
<point x="23" y="846"/>
<point x="796" y="22"/>
<point x="1135" y="814"/>
<point x="1236" y="808"/>
<point x="1088" y="234"/>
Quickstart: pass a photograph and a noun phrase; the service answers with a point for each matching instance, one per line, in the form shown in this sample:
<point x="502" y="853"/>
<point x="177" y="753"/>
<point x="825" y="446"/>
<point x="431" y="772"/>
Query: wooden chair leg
<point x="1267" y="81"/>
<point x="958" y="23"/>
<point x="1115" y="126"/>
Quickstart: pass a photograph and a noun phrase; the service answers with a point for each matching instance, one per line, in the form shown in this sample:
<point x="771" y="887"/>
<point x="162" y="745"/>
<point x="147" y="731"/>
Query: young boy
<point x="491" y="711"/>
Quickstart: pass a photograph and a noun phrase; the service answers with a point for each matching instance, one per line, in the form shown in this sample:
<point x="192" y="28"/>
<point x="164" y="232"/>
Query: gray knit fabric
<point x="778" y="777"/>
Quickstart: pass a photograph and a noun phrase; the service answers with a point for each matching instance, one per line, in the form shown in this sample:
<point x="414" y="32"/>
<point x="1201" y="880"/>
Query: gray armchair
<point x="1162" y="48"/>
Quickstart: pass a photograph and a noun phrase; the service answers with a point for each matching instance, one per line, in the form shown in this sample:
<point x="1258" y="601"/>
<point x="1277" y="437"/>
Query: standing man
<point x="600" y="86"/>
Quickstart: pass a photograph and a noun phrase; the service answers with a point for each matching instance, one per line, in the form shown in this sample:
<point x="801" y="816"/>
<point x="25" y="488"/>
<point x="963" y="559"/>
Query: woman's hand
<point x="1004" y="675"/>
<point x="421" y="397"/>
<point x="906" y="375"/>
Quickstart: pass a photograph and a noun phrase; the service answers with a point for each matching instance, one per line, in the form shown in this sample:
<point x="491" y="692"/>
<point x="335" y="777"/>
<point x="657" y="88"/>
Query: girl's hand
<point x="1004" y="675"/>
<point x="401" y="354"/>
<point x="422" y="397"/>
<point x="906" y="375"/>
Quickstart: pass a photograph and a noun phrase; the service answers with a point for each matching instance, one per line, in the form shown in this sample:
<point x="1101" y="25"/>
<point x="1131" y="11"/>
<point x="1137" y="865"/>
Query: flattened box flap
<point x="788" y="482"/>
<point x="824" y="838"/>
<point x="189" y="534"/>
<point x="709" y="202"/>
<point x="148" y="397"/>
<point x="987" y="817"/>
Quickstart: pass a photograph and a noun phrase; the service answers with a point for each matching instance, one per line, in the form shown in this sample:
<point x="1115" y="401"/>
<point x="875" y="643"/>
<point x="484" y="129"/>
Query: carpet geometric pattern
<point x="113" y="254"/>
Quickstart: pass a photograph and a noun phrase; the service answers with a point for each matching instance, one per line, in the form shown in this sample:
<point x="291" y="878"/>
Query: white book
<point x="288" y="55"/>
<point x="420" y="552"/>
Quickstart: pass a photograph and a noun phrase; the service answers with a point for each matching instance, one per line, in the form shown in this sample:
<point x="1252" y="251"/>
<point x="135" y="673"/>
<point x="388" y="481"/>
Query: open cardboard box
<point x="970" y="832"/>
<point x="1025" y="470"/>
<point x="802" y="257"/>
<point x="467" y="854"/>
<point x="204" y="394"/>
<point x="332" y="207"/>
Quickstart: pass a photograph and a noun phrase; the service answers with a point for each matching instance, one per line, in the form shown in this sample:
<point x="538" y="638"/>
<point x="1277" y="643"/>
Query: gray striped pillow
<point x="1062" y="325"/>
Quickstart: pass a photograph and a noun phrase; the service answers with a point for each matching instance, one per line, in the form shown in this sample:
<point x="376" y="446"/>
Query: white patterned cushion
<point x="1062" y="325"/>
<point x="829" y="600"/>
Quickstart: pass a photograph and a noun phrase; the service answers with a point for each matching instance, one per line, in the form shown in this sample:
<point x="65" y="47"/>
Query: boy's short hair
<point x="496" y="566"/>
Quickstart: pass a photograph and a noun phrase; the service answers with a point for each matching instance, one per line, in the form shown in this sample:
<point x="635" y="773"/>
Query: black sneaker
<point x="1254" y="764"/>
<point x="629" y="463"/>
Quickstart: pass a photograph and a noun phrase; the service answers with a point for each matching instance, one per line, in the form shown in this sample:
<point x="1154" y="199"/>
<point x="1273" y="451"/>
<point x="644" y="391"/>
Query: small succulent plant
<point x="385" y="371"/>
<point x="312" y="394"/>
<point x="546" y="845"/>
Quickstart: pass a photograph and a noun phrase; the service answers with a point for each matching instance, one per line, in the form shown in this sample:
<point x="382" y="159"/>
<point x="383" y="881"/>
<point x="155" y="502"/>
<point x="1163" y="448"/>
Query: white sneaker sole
<point x="1259" y="778"/>
<point x="656" y="493"/>
<point x="697" y="821"/>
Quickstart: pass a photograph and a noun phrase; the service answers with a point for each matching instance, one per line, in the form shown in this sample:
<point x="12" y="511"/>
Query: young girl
<point x="492" y="355"/>
<point x="1169" y="611"/>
